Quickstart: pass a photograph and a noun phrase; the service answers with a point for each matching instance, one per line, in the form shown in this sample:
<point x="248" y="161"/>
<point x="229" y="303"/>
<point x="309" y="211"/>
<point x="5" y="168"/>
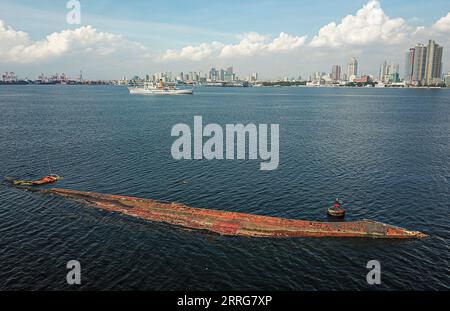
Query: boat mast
<point x="49" y="167"/>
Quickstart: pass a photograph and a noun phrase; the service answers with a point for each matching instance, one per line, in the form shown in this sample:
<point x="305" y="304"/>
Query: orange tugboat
<point x="233" y="223"/>
<point x="44" y="180"/>
<point x="49" y="179"/>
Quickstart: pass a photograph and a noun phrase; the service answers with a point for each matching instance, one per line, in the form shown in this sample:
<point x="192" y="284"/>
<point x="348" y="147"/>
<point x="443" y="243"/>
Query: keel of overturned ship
<point x="233" y="223"/>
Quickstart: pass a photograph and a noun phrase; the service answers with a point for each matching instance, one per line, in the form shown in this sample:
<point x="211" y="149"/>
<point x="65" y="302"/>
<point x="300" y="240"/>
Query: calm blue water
<point x="385" y="152"/>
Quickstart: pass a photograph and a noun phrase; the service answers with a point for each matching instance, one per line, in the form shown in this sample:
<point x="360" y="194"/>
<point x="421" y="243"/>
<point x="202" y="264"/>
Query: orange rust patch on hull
<point x="234" y="223"/>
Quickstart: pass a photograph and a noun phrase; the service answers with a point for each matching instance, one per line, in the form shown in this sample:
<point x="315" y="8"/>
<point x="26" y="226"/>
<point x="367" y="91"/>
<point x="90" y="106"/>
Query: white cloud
<point x="286" y="42"/>
<point x="17" y="46"/>
<point x="368" y="33"/>
<point x="443" y="24"/>
<point x="419" y="30"/>
<point x="10" y="37"/>
<point x="369" y="25"/>
<point x="437" y="31"/>
<point x="250" y="44"/>
<point x="191" y="52"/>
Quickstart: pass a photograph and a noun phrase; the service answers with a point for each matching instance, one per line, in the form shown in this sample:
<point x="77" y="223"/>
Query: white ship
<point x="161" y="89"/>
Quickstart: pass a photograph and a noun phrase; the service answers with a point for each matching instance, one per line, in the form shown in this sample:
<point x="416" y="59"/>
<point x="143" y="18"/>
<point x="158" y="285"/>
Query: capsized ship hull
<point x="233" y="223"/>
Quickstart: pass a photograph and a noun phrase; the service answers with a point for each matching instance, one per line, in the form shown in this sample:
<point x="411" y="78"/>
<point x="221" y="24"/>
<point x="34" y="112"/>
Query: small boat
<point x="161" y="89"/>
<point x="44" y="180"/>
<point x="336" y="210"/>
<point x="49" y="179"/>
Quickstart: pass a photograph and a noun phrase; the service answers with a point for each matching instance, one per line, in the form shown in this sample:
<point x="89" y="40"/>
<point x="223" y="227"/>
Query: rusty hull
<point x="233" y="223"/>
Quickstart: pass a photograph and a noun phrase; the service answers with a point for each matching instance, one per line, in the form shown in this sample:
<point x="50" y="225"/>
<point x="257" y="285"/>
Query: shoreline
<point x="237" y="86"/>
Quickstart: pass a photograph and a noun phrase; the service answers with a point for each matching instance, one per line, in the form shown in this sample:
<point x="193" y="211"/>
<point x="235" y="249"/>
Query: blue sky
<point x="162" y="25"/>
<point x="211" y="17"/>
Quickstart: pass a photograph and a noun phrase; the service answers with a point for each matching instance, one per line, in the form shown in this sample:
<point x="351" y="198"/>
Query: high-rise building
<point x="383" y="71"/>
<point x="254" y="77"/>
<point x="409" y="65"/>
<point x="80" y="76"/>
<point x="213" y="74"/>
<point x="336" y="73"/>
<point x="389" y="73"/>
<point x="424" y="64"/>
<point x="317" y="76"/>
<point x="447" y="79"/>
<point x="352" y="69"/>
<point x="433" y="66"/>
<point x="419" y="63"/>
<point x="229" y="76"/>
<point x="393" y="73"/>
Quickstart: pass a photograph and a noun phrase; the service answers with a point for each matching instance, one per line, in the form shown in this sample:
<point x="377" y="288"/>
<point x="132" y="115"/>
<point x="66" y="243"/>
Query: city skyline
<point x="370" y="31"/>
<point x="421" y="69"/>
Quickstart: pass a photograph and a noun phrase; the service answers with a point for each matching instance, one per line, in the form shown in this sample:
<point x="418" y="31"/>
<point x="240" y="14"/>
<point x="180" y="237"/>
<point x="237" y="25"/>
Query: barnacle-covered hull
<point x="233" y="223"/>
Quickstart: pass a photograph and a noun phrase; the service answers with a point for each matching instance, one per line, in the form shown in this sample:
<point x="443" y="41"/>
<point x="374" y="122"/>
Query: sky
<point x="274" y="38"/>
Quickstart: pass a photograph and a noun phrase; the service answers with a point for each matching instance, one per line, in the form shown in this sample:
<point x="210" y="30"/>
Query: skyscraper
<point x="352" y="69"/>
<point x="317" y="76"/>
<point x="383" y="71"/>
<point x="336" y="73"/>
<point x="409" y="65"/>
<point x="419" y="62"/>
<point x="393" y="73"/>
<point x="389" y="72"/>
<point x="213" y="74"/>
<point x="433" y="67"/>
<point x="254" y="77"/>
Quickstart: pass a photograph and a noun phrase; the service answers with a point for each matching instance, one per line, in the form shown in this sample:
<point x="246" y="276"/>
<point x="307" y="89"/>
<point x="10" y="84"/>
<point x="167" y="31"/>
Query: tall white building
<point x="383" y="71"/>
<point x="352" y="69"/>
